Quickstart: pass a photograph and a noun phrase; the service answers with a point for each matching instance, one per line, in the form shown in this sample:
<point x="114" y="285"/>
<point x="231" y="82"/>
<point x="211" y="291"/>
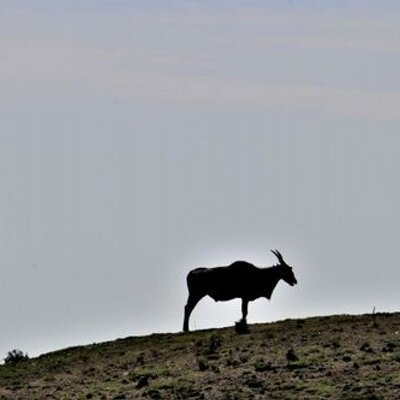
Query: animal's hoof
<point x="241" y="327"/>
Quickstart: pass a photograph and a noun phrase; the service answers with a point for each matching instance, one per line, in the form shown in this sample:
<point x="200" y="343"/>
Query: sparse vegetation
<point x="338" y="357"/>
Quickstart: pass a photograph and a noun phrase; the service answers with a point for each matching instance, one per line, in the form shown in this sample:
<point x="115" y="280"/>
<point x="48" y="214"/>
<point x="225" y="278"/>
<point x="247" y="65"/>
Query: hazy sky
<point x="141" y="140"/>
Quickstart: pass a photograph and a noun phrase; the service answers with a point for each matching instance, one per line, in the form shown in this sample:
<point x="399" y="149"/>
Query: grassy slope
<point x="339" y="357"/>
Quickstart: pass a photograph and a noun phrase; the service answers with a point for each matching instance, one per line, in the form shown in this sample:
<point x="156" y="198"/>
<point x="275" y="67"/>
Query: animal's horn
<point x="278" y="255"/>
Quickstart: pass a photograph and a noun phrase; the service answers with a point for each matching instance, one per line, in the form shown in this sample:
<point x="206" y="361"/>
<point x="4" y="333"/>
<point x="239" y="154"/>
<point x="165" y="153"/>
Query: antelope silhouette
<point x="239" y="280"/>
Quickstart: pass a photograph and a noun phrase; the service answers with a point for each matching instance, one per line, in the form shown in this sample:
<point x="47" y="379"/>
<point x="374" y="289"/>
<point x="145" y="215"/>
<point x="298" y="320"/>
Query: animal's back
<point x="223" y="283"/>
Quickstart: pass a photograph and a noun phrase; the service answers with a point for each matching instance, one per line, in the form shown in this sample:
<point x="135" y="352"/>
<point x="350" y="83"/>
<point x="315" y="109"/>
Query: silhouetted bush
<point x="15" y="356"/>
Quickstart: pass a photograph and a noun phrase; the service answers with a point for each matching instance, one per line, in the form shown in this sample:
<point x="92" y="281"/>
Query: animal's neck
<point x="272" y="277"/>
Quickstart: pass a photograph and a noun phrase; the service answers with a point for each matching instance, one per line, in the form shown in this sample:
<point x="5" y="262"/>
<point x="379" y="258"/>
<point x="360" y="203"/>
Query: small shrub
<point x="15" y="356"/>
<point x="202" y="363"/>
<point x="140" y="359"/>
<point x="232" y="360"/>
<point x="209" y="347"/>
<point x="291" y="355"/>
<point x="214" y="344"/>
<point x="142" y="381"/>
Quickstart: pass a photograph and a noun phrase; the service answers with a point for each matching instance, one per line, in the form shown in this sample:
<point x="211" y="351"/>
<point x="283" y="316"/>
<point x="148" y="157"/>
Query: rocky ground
<point x="338" y="357"/>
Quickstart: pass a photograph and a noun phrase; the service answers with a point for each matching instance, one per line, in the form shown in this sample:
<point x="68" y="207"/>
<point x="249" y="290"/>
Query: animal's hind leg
<point x="190" y="305"/>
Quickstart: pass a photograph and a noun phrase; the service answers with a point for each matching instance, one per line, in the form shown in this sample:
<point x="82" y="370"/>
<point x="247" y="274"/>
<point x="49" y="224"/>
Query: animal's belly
<point x="226" y="294"/>
<point x="223" y="295"/>
<point x="219" y="297"/>
<point x="233" y="294"/>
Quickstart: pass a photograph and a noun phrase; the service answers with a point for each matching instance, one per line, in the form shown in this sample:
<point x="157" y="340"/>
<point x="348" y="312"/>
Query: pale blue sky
<point x="139" y="141"/>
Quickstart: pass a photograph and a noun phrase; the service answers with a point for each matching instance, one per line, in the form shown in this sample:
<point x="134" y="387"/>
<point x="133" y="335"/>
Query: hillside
<point x="338" y="357"/>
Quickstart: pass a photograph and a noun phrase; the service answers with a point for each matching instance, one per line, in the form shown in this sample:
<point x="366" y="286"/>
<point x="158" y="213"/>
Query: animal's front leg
<point x="245" y="304"/>
<point x="241" y="326"/>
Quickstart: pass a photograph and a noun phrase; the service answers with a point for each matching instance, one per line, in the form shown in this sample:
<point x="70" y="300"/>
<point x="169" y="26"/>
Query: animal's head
<point x="286" y="271"/>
